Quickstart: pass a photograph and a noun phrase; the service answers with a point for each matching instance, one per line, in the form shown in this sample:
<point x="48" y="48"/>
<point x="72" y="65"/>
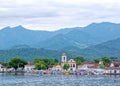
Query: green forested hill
<point x="31" y="53"/>
<point x="109" y="48"/>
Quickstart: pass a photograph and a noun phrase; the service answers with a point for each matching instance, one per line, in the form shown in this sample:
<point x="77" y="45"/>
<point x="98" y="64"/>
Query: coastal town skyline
<point x="102" y="66"/>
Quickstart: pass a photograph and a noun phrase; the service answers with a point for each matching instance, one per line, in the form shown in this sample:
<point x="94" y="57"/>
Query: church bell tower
<point x="64" y="58"/>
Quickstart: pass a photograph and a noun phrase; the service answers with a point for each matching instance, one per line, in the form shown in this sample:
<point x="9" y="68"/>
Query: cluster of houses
<point x="86" y="68"/>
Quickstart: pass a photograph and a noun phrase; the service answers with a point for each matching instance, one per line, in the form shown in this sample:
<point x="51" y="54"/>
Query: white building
<point x="114" y="69"/>
<point x="2" y="69"/>
<point x="57" y="68"/>
<point x="29" y="67"/>
<point x="1" y="66"/>
<point x="115" y="64"/>
<point x="91" y="67"/>
<point x="71" y="62"/>
<point x="85" y="65"/>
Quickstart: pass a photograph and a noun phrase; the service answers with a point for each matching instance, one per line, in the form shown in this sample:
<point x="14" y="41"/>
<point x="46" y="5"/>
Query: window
<point x="73" y="65"/>
<point x="64" y="58"/>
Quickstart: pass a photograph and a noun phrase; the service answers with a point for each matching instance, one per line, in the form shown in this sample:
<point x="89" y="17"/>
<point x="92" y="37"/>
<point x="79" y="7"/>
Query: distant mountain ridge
<point x="93" y="41"/>
<point x="105" y="31"/>
<point x="20" y="36"/>
<point x="80" y="37"/>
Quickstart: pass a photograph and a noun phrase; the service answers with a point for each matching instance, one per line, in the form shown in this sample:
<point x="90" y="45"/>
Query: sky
<point x="56" y="14"/>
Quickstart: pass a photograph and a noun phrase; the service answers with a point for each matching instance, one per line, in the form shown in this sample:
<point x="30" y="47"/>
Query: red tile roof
<point x="90" y="64"/>
<point x="87" y="63"/>
<point x="94" y="66"/>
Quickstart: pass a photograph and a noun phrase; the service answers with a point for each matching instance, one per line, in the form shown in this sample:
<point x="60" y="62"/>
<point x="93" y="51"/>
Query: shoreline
<point x="66" y="74"/>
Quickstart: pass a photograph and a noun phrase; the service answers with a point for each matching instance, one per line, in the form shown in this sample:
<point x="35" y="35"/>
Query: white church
<point x="71" y="62"/>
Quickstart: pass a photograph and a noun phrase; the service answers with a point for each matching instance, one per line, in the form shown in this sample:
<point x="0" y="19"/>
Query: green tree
<point x="47" y="61"/>
<point x="40" y="65"/>
<point x="79" y="60"/>
<point x="106" y="59"/>
<point x="96" y="60"/>
<point x="17" y="62"/>
<point x="66" y="66"/>
<point x="102" y="66"/>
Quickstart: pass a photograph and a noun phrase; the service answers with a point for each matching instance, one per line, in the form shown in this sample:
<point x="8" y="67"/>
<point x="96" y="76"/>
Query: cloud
<point x="56" y="14"/>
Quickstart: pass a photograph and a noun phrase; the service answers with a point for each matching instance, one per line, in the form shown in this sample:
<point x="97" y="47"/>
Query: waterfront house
<point x="29" y="67"/>
<point x="96" y="70"/>
<point x="85" y="65"/>
<point x="9" y="70"/>
<point x="90" y="68"/>
<point x="115" y="65"/>
<point x="2" y="68"/>
<point x="71" y="62"/>
<point x="114" y="69"/>
<point x="56" y="68"/>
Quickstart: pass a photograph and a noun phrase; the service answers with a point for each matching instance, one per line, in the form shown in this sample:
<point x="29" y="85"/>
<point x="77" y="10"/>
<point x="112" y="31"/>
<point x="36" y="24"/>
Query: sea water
<point x="58" y="80"/>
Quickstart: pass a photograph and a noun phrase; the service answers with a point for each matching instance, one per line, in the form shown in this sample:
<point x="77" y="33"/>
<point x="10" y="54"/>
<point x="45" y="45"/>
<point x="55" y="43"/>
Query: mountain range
<point x="92" y="41"/>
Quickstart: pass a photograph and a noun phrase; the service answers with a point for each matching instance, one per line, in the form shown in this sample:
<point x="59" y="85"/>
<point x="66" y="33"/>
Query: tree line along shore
<point x="78" y="65"/>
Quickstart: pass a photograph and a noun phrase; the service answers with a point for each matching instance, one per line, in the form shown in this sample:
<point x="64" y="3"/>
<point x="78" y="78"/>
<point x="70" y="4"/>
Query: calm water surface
<point x="58" y="80"/>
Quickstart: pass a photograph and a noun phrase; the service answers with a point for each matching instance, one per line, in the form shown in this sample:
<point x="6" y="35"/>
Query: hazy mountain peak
<point x="101" y="24"/>
<point x="8" y="27"/>
<point x="19" y="27"/>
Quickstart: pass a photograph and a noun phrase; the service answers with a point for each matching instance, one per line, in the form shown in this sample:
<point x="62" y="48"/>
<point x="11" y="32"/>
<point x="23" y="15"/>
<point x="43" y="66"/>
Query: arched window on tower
<point x="73" y="65"/>
<point x="64" y="58"/>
